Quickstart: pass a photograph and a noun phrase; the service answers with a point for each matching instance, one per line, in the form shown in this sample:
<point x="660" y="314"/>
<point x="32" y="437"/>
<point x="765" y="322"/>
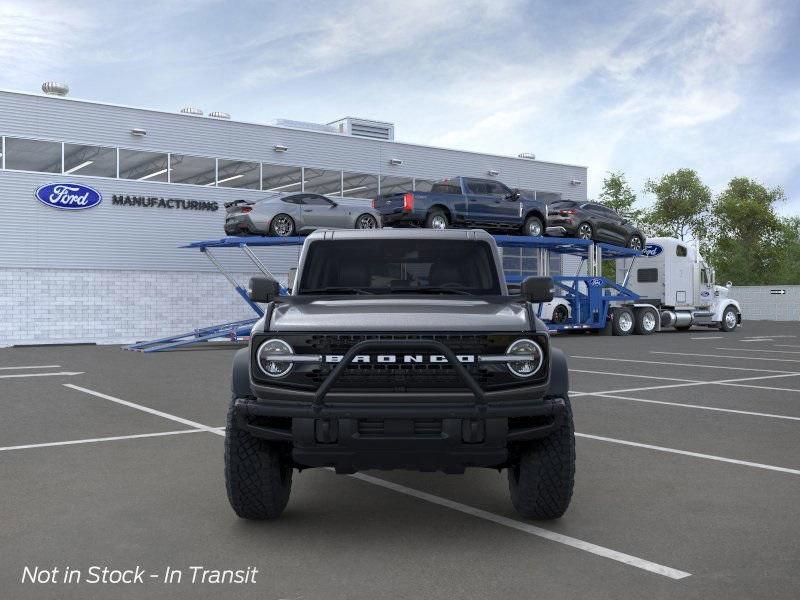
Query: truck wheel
<point x="541" y="482"/>
<point x="533" y="227"/>
<point x="437" y="219"/>
<point x="729" y="320"/>
<point x="257" y="478"/>
<point x="645" y="323"/>
<point x="622" y="321"/>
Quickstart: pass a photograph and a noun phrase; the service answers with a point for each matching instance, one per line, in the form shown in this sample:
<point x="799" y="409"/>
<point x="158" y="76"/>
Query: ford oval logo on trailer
<point x="652" y="250"/>
<point x="68" y="196"/>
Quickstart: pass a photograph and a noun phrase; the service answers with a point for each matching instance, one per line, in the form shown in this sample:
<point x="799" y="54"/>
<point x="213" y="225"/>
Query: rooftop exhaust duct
<point x="53" y="88"/>
<point x="527" y="155"/>
<point x="219" y="115"/>
<point x="192" y="110"/>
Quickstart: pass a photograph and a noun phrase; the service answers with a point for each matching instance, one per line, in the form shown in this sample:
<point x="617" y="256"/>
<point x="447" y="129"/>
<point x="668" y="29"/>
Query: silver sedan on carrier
<point x="283" y="215"/>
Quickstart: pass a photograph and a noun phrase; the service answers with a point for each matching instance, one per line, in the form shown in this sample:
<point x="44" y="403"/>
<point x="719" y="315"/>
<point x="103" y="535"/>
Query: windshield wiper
<point x="337" y="290"/>
<point x="431" y="290"/>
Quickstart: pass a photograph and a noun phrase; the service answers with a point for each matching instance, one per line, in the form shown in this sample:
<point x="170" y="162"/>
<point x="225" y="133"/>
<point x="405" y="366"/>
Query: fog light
<point x="267" y="361"/>
<point x="530" y="358"/>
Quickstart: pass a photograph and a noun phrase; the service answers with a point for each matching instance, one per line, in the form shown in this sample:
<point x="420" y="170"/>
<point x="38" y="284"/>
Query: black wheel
<point x="257" y="478"/>
<point x="282" y="226"/>
<point x="729" y="319"/>
<point x="622" y="321"/>
<point x="560" y="314"/>
<point x="533" y="227"/>
<point x="645" y="322"/>
<point x="437" y="219"/>
<point x="542" y="480"/>
<point x="635" y="242"/>
<point x="585" y="231"/>
<point x="366" y="221"/>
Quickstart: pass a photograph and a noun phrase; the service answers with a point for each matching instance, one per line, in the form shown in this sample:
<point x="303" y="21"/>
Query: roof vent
<point x="376" y="130"/>
<point x="53" y="88"/>
<point x="219" y="115"/>
<point x="527" y="155"/>
<point x="303" y="125"/>
<point x="192" y="110"/>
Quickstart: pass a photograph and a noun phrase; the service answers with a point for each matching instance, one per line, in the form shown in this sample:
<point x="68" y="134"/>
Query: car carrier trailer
<point x="666" y="269"/>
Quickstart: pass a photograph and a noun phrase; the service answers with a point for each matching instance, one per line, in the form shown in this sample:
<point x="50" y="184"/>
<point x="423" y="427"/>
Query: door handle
<point x="307" y="210"/>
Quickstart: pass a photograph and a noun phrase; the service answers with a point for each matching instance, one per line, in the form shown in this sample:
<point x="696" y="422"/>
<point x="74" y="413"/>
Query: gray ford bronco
<point x="400" y="349"/>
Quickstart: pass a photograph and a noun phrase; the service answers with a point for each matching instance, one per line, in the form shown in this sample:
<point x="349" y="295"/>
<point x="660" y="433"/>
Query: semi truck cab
<point x="672" y="276"/>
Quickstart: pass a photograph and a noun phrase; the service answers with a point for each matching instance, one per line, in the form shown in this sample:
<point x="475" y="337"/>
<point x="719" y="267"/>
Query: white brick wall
<point x="759" y="304"/>
<point x="41" y="306"/>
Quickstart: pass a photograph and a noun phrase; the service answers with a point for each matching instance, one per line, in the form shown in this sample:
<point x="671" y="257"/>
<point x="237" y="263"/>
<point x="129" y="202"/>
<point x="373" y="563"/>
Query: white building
<point x="115" y="272"/>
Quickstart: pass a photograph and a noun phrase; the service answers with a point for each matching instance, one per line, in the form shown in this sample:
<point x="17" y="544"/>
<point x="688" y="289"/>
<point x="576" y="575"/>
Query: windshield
<point x="375" y="266"/>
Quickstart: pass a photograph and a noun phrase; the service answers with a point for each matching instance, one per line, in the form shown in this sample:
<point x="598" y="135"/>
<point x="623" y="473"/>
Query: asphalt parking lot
<point x="688" y="481"/>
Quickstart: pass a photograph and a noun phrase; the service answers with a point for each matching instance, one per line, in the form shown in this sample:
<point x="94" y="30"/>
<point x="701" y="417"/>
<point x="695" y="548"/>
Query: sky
<point x="639" y="87"/>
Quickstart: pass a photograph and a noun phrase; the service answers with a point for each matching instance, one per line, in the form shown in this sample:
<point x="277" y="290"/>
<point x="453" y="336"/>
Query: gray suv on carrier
<point x="400" y="349"/>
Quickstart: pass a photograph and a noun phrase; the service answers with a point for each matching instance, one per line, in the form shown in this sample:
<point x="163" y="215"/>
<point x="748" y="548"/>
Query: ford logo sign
<point x="652" y="250"/>
<point x="595" y="282"/>
<point x="68" y="196"/>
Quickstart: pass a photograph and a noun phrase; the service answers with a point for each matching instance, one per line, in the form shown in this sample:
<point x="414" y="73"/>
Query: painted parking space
<point x="672" y="487"/>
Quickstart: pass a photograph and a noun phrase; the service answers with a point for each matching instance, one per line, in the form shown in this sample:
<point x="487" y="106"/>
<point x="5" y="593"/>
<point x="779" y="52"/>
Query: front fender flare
<point x="240" y="379"/>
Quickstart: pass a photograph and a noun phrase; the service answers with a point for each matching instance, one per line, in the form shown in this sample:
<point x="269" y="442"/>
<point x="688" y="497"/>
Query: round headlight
<point x="274" y="368"/>
<point x="531" y="357"/>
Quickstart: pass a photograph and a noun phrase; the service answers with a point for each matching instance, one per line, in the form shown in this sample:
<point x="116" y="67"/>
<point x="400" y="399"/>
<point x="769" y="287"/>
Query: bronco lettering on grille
<point x="399" y="358"/>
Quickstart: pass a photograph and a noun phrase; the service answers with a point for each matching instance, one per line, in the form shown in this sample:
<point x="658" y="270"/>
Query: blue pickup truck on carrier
<point x="465" y="202"/>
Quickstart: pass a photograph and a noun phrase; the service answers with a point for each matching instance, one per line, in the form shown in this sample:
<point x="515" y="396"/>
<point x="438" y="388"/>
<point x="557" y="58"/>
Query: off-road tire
<point x="541" y="482"/>
<point x="724" y="326"/>
<point x="436" y="213"/>
<point x="257" y="479"/>
<point x="532" y="221"/>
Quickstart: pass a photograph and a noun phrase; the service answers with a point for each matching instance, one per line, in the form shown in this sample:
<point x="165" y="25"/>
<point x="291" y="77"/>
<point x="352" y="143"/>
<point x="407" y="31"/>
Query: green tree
<point x="681" y="206"/>
<point x="618" y="195"/>
<point x="750" y="243"/>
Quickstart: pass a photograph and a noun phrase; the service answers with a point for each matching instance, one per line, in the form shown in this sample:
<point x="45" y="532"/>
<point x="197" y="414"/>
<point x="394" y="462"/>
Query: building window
<point x="196" y="170"/>
<point x="238" y="174"/>
<point x="143" y="166"/>
<point x="90" y="160"/>
<point x="279" y="178"/>
<point x="320" y="181"/>
<point x="396" y="185"/>
<point x="359" y="185"/>
<point x="33" y="155"/>
<point x="423" y="185"/>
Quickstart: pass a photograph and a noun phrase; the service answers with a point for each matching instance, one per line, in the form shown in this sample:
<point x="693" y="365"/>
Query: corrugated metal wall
<point x="125" y="237"/>
<point x="767" y="303"/>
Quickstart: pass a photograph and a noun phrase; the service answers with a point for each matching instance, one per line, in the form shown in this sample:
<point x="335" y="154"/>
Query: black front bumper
<point x="431" y="437"/>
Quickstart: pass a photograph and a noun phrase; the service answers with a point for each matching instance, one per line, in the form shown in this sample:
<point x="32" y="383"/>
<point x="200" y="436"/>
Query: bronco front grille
<point x="400" y="377"/>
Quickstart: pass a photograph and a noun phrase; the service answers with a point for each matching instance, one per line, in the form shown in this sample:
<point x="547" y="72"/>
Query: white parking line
<point x="759" y="350"/>
<point x="697" y="406"/>
<point x="560" y="538"/>
<point x="708" y="337"/>
<point x="146" y="409"/>
<point x="757" y="340"/>
<point x="60" y="373"/>
<point x="787" y="346"/>
<point x="633" y="375"/>
<point x="102" y="439"/>
<point x="794" y="360"/>
<point x="687" y="453"/>
<point x="674" y="364"/>
<point x="731" y="382"/>
<point x="31" y="367"/>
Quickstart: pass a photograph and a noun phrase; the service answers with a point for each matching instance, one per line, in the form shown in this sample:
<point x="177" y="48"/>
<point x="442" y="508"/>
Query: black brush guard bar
<point x="361" y="347"/>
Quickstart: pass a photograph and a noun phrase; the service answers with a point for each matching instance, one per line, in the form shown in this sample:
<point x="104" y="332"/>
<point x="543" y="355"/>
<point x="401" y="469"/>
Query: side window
<point x="445" y="187"/>
<point x="315" y="200"/>
<point x="498" y="189"/>
<point x="293" y="199"/>
<point x="477" y="187"/>
<point x="680" y="250"/>
<point x="647" y="275"/>
<point x="703" y="276"/>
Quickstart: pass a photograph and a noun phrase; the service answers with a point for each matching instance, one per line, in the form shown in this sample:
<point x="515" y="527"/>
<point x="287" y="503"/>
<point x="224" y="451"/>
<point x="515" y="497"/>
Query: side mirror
<point x="729" y="284"/>
<point x="334" y="204"/>
<point x="290" y="278"/>
<point x="537" y="289"/>
<point x="263" y="289"/>
<point x="514" y="195"/>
